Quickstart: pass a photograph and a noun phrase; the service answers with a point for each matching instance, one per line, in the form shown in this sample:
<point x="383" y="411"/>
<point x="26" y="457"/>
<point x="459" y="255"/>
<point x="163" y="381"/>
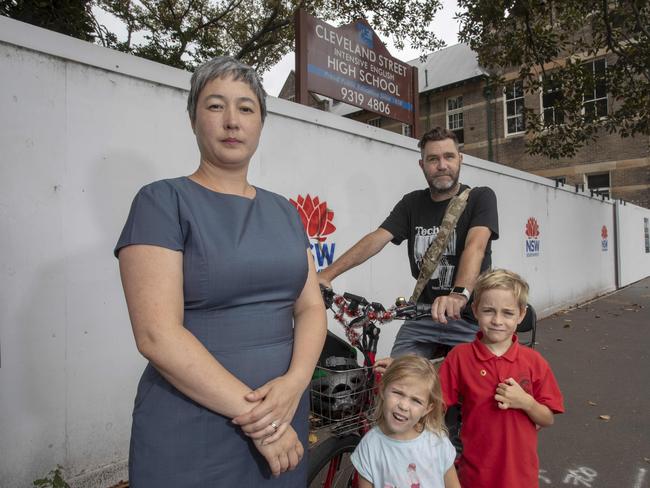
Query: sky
<point x="443" y="25"/>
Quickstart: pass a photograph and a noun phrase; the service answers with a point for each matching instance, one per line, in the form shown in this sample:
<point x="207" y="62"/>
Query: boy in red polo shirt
<point x="507" y="391"/>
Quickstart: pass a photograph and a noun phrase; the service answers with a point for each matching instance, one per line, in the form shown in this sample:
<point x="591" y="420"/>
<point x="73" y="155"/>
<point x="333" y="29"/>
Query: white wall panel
<point x="633" y="255"/>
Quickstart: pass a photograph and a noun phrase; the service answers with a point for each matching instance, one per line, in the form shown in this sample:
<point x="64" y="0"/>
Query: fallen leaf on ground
<point x="593" y="404"/>
<point x="605" y="417"/>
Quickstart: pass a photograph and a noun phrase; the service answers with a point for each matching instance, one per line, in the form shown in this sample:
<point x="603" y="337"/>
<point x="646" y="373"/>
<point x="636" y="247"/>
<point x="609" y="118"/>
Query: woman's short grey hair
<point x="223" y="67"/>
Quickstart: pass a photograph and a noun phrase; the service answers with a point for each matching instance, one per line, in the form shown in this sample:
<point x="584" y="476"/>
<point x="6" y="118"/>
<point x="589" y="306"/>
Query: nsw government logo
<point x="603" y="235"/>
<point x="532" y="237"/>
<point x="317" y="220"/>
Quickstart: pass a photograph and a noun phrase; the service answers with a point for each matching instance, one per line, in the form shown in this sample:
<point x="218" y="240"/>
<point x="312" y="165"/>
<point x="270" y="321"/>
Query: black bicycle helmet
<point x="338" y="391"/>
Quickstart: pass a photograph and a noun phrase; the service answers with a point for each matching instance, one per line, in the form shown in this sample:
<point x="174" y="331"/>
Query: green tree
<point x="183" y="33"/>
<point x="549" y="42"/>
<point x="70" y="17"/>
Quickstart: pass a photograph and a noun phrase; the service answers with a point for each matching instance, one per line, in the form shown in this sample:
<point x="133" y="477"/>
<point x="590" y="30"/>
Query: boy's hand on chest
<point x="510" y="394"/>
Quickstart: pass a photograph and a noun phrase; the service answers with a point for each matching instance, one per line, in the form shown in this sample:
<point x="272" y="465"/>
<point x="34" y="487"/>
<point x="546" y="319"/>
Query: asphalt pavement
<point x="600" y="355"/>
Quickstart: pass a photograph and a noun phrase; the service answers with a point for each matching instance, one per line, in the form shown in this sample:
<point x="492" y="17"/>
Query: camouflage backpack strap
<point x="432" y="257"/>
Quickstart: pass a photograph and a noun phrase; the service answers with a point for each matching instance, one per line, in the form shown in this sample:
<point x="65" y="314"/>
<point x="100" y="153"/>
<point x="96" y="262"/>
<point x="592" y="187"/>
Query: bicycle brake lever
<point x="422" y="309"/>
<point x="354" y="302"/>
<point x="355" y="298"/>
<point x="413" y="310"/>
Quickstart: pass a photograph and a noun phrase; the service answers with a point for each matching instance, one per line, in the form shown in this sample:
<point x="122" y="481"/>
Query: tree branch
<point x="215" y="20"/>
<point x="268" y="27"/>
<point x="608" y="31"/>
<point x="637" y="19"/>
<point x="190" y="6"/>
<point x="531" y="41"/>
<point x="615" y="47"/>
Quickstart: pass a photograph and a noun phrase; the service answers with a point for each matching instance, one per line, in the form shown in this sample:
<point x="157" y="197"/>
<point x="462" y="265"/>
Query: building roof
<point x="343" y="109"/>
<point x="448" y="66"/>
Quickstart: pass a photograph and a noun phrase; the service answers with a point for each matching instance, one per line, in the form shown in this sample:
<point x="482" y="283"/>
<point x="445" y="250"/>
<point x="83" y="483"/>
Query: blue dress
<point x="244" y="266"/>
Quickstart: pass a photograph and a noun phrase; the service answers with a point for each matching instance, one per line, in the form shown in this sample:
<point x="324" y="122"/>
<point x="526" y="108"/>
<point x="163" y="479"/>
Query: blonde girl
<point x="409" y="446"/>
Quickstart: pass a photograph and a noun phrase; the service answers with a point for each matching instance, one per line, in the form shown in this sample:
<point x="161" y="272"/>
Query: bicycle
<point x="342" y="392"/>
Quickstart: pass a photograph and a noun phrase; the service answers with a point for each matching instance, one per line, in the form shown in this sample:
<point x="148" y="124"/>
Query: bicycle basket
<point x="341" y="391"/>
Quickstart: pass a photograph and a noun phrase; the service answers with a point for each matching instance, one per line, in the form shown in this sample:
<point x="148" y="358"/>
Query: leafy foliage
<point x="549" y="42"/>
<point x="184" y="33"/>
<point x="53" y="480"/>
<point x="70" y="17"/>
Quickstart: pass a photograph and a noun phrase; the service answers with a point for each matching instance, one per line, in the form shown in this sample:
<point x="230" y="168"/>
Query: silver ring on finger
<point x="275" y="426"/>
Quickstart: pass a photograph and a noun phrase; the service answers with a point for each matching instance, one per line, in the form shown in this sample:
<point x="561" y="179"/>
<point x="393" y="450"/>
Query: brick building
<point x="454" y="93"/>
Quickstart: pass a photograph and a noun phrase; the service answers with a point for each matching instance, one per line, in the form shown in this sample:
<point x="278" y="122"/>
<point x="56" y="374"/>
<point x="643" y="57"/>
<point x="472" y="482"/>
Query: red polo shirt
<point x="499" y="446"/>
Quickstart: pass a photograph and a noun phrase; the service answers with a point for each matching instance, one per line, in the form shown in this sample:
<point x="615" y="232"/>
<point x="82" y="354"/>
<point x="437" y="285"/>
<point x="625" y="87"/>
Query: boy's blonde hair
<point x="421" y="368"/>
<point x="504" y="280"/>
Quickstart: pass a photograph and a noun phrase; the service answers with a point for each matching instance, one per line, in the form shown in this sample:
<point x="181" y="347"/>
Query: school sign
<point x="351" y="64"/>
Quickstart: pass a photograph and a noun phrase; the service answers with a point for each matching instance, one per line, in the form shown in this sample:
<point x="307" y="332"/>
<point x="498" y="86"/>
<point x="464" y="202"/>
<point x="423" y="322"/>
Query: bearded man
<point x="417" y="218"/>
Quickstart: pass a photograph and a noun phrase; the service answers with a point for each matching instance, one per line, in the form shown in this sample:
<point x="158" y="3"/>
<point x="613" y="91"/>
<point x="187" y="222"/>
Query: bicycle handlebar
<point x="354" y="311"/>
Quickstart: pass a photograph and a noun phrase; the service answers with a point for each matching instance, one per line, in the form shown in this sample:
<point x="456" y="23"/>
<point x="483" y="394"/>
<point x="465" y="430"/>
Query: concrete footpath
<point x="600" y="355"/>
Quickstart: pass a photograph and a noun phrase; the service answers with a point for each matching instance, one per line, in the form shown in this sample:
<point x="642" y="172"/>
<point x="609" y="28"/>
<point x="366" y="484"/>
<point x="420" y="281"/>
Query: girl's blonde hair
<point x="422" y="369"/>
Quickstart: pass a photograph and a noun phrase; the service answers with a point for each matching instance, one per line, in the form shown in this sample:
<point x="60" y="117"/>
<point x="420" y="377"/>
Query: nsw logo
<point x="532" y="243"/>
<point x="317" y="220"/>
<point x="603" y="235"/>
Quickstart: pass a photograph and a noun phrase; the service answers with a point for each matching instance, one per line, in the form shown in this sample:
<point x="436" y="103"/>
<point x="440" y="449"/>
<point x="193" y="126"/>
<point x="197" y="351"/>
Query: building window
<point x="376" y="122"/>
<point x="514" y="100"/>
<point x="559" y="180"/>
<point x="406" y="130"/>
<point x="595" y="94"/>
<point x="455" y="117"/>
<point x="551" y="96"/>
<point x="599" y="183"/>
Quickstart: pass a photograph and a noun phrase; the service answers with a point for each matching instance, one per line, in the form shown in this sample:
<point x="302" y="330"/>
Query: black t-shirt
<point x="417" y="218"/>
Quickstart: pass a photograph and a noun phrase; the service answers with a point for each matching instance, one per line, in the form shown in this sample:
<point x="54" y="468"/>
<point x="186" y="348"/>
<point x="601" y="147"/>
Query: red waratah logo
<point x="603" y="232"/>
<point x="315" y="216"/>
<point x="532" y="229"/>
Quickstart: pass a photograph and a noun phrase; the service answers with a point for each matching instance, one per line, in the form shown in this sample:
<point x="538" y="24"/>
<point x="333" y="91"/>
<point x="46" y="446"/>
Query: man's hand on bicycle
<point x="323" y="281"/>
<point x="447" y="307"/>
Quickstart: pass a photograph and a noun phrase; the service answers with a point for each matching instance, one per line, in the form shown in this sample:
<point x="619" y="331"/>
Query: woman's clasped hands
<point x="284" y="454"/>
<point x="269" y="422"/>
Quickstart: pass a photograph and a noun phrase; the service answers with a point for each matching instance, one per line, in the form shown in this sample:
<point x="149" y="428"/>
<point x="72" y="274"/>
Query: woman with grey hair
<point x="232" y="334"/>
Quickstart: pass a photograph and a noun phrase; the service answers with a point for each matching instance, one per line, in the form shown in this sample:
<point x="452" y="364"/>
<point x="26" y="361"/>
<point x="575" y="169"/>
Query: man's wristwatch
<point x="460" y="290"/>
